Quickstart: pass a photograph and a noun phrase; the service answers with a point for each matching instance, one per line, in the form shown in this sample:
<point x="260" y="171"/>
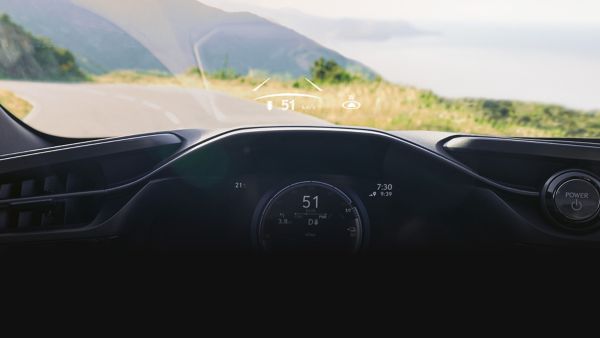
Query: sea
<point x="556" y="64"/>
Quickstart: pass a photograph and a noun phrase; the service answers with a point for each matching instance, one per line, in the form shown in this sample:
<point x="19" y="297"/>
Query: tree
<point x="5" y="18"/>
<point x="329" y="71"/>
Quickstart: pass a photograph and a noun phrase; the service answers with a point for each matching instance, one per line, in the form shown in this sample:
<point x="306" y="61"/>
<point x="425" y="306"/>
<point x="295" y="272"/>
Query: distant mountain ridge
<point x="323" y="28"/>
<point x="24" y="56"/>
<point x="98" y="45"/>
<point x="160" y="35"/>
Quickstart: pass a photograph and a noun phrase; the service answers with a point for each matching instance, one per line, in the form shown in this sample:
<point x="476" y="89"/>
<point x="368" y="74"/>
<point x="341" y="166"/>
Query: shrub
<point x="497" y="110"/>
<point x="329" y="71"/>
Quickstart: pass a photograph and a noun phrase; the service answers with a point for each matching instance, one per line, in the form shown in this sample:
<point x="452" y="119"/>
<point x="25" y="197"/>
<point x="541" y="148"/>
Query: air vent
<point x="32" y="217"/>
<point x="19" y="214"/>
<point x="66" y="187"/>
<point x="30" y="187"/>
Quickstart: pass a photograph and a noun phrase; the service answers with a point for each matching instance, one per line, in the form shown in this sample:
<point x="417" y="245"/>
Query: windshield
<point x="93" y="68"/>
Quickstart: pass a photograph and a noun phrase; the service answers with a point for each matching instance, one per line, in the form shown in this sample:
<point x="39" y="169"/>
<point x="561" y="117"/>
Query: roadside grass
<point x="133" y="77"/>
<point x="387" y="106"/>
<point x="16" y="105"/>
<point x="394" y="107"/>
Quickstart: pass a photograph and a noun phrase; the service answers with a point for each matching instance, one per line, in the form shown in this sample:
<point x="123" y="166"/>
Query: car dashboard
<point x="274" y="190"/>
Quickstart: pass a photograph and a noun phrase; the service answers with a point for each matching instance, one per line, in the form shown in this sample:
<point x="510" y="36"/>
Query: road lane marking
<point x="151" y="105"/>
<point x="172" y="117"/>
<point x="49" y="111"/>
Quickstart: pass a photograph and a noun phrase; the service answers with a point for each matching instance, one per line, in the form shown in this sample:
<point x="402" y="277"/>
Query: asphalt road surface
<point x="95" y="110"/>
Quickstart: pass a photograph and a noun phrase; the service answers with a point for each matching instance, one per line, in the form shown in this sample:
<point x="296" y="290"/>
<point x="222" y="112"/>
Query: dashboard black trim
<point x="215" y="137"/>
<point x="86" y="150"/>
<point x="554" y="149"/>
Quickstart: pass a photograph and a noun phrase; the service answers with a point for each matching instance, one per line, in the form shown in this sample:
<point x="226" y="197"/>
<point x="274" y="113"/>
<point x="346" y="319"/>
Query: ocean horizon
<point x="539" y="63"/>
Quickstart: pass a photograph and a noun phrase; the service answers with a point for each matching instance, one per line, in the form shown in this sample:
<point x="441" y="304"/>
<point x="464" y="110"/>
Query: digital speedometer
<point x="310" y="217"/>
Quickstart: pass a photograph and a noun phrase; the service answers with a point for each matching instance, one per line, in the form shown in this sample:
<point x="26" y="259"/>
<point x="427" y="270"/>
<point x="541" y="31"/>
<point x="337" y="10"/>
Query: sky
<point x="523" y="45"/>
<point x="503" y="11"/>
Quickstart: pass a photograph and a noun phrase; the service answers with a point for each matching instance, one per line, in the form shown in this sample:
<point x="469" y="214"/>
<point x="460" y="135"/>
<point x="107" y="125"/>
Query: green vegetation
<point x="330" y="72"/>
<point x="24" y="56"/>
<point x="225" y="73"/>
<point x="394" y="107"/>
<point x="16" y="105"/>
<point x="390" y="106"/>
<point x="128" y="76"/>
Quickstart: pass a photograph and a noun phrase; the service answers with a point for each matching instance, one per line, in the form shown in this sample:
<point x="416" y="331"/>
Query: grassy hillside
<point x="394" y="107"/>
<point x="24" y="56"/>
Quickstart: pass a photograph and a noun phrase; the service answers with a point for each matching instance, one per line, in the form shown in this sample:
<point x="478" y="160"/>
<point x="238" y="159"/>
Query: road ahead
<point x="90" y="110"/>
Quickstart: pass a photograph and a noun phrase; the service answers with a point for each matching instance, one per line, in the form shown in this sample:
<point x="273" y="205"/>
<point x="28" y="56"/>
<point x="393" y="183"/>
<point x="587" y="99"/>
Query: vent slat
<point x="5" y="190"/>
<point x="4" y="219"/>
<point x="35" y="216"/>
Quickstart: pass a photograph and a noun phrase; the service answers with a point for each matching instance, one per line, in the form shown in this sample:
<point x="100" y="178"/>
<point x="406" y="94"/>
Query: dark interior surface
<point x="207" y="192"/>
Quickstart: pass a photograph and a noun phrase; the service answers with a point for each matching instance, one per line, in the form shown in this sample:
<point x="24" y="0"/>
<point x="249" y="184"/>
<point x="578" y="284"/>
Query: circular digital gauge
<point x="310" y="217"/>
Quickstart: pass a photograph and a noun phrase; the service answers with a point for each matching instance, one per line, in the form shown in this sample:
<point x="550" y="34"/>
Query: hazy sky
<point x="535" y="11"/>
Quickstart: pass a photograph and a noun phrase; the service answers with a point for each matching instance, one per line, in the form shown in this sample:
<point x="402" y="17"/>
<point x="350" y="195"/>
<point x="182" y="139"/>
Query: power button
<point x="571" y="199"/>
<point x="577" y="200"/>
